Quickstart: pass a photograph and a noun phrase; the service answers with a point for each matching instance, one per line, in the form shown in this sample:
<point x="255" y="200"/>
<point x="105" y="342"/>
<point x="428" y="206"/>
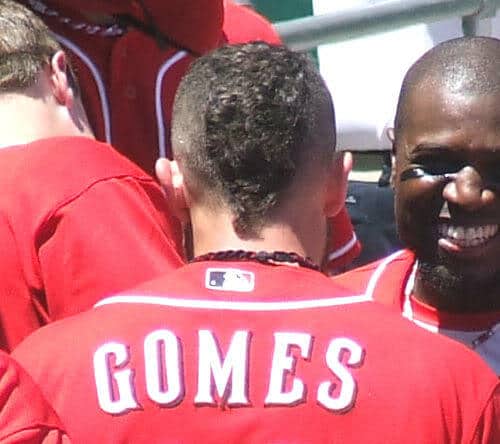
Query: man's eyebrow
<point x="430" y="147"/>
<point x="437" y="149"/>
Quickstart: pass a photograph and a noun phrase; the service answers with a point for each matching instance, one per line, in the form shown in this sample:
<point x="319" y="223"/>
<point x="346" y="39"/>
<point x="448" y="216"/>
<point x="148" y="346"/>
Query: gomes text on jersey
<point x="223" y="379"/>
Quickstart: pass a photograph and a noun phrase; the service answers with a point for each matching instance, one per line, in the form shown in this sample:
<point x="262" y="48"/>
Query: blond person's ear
<point x="59" y="81"/>
<point x="172" y="181"/>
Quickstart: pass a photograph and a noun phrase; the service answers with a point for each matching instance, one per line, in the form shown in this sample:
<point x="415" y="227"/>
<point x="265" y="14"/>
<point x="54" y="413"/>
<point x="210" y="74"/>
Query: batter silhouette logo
<point x="229" y="279"/>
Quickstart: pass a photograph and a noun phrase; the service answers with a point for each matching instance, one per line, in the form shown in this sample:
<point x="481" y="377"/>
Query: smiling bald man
<point x="447" y="185"/>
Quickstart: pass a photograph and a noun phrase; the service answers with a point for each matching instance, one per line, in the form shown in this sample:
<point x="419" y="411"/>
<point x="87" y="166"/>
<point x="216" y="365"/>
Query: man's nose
<point x="468" y="190"/>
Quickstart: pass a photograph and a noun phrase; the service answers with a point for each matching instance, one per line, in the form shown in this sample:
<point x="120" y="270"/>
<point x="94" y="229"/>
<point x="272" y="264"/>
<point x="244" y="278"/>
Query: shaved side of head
<point x="249" y="121"/>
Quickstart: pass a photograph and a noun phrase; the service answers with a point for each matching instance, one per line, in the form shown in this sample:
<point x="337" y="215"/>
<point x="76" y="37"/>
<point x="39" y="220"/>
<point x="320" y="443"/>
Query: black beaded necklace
<point x="264" y="257"/>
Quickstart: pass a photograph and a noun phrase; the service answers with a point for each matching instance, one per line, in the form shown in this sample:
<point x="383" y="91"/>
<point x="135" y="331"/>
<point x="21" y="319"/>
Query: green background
<point x="283" y="9"/>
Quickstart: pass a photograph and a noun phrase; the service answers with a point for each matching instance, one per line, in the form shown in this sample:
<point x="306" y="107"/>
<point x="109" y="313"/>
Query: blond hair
<point x="26" y="46"/>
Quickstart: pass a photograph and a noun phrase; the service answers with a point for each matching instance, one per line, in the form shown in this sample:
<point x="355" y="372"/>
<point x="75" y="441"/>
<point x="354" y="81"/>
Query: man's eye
<point x="436" y="167"/>
<point x="440" y="168"/>
<point x="435" y="170"/>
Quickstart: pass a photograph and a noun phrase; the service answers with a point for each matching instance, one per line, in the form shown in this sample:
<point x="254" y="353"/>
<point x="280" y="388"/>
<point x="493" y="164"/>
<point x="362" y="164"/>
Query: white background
<point x="364" y="75"/>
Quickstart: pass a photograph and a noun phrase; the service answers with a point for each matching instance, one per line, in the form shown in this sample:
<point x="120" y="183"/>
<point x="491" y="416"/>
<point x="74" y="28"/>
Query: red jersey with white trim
<point x="78" y="221"/>
<point x="25" y="415"/>
<point x="128" y="78"/>
<point x="390" y="281"/>
<point x="243" y="352"/>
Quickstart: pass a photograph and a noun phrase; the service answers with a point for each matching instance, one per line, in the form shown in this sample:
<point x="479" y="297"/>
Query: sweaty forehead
<point x="442" y="118"/>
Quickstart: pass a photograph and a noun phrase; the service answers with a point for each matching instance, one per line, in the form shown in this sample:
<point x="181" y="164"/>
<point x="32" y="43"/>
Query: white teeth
<point x="468" y="236"/>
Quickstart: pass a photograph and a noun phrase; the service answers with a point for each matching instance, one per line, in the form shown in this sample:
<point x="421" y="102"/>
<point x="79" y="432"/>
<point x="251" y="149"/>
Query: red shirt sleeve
<point x="25" y="415"/>
<point x="110" y="237"/>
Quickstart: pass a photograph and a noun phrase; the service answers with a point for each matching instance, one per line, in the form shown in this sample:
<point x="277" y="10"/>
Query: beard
<point x="457" y="291"/>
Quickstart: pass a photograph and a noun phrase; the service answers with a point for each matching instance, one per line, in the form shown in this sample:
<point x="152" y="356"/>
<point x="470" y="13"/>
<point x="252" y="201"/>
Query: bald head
<point x="466" y="66"/>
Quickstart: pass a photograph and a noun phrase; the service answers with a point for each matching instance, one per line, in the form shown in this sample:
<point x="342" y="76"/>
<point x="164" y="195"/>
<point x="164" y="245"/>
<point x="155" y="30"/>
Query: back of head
<point x="249" y="121"/>
<point x="26" y="46"/>
<point x="464" y="66"/>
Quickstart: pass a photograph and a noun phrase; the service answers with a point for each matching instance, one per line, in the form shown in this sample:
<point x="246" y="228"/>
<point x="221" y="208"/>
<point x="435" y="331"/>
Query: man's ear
<point x="390" y="135"/>
<point x="172" y="181"/>
<point x="61" y="89"/>
<point x="389" y="132"/>
<point x="337" y="183"/>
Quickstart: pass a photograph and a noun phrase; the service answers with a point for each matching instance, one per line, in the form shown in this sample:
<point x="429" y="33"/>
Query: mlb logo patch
<point x="229" y="279"/>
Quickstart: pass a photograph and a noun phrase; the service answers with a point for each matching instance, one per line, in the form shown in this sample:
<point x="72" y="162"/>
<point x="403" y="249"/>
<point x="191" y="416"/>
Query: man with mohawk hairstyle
<point x="447" y="198"/>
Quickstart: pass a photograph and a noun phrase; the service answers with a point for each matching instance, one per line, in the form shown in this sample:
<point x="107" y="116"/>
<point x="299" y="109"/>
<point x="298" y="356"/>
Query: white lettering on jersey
<point x="107" y="377"/>
<point x="225" y="377"/>
<point x="162" y="360"/>
<point x="234" y="366"/>
<point x="284" y="363"/>
<point x="348" y="387"/>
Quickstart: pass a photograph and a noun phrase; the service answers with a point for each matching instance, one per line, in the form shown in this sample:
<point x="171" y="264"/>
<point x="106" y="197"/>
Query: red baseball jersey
<point x="78" y="221"/>
<point x="25" y="415"/>
<point x="242" y="352"/>
<point x="128" y="78"/>
<point x="390" y="281"/>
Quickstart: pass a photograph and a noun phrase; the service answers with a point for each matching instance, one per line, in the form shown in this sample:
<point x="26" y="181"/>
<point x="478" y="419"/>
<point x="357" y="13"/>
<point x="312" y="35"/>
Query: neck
<point x="26" y="118"/>
<point x="216" y="234"/>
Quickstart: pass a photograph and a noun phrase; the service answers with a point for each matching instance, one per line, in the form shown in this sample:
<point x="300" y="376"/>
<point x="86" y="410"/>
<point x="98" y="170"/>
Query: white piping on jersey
<point x="344" y="249"/>
<point x="372" y="283"/>
<point x="408" y="309"/>
<point x="158" y="103"/>
<point x="232" y="305"/>
<point x="425" y="325"/>
<point x="98" y="80"/>
<point x="410" y="284"/>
